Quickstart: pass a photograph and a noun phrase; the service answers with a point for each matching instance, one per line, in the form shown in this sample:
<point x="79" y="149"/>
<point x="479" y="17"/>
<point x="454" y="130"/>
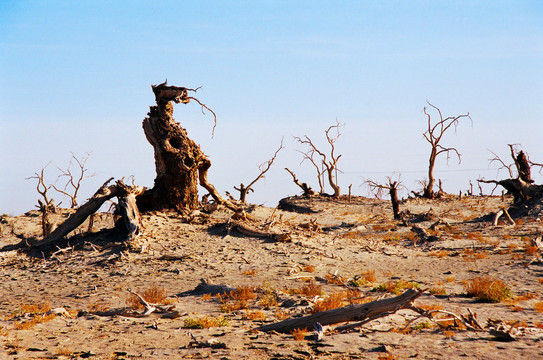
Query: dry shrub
<point x="335" y="279"/>
<point x="205" y="322"/>
<point x="36" y="319"/>
<point x="430" y="307"/>
<point x="299" y="334"/>
<point x="236" y="299"/>
<point x="450" y="279"/>
<point x="268" y="300"/>
<point x="331" y="301"/>
<point x="525" y="296"/>
<point x="309" y="268"/>
<point x="255" y="315"/>
<point x="31" y="309"/>
<point x="440" y="253"/>
<point x="487" y="289"/>
<point x="540" y="280"/>
<point x="387" y="356"/>
<point x="438" y="290"/>
<point x="538" y="306"/>
<point x="311" y="289"/>
<point x="153" y="295"/>
<point x="449" y="333"/>
<point x="251" y="272"/>
<point x="539" y="325"/>
<point x="281" y="314"/>
<point x="64" y="351"/>
<point x="206" y="296"/>
<point x="396" y="287"/>
<point x="481" y="255"/>
<point x="530" y="249"/>
<point x="519" y="222"/>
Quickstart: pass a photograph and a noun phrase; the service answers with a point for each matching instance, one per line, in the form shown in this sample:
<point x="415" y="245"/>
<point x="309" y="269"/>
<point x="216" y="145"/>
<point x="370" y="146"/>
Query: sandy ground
<point x="340" y="242"/>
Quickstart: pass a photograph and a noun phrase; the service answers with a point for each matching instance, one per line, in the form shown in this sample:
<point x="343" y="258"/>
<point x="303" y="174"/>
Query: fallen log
<point x="353" y="312"/>
<point x="103" y="194"/>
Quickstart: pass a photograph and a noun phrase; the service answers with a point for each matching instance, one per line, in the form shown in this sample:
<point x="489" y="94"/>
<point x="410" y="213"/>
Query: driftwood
<point x="103" y="194"/>
<point x="250" y="231"/>
<point x="354" y="312"/>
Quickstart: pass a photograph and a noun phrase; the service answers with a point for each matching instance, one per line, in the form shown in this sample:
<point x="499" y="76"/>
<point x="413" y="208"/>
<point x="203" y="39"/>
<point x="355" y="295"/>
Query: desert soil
<point x="337" y="247"/>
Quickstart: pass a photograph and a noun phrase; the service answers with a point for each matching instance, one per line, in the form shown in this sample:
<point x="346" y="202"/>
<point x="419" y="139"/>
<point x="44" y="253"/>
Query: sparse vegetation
<point x="487" y="289"/>
<point x="154" y="295"/>
<point x="396" y="287"/>
<point x="204" y="322"/>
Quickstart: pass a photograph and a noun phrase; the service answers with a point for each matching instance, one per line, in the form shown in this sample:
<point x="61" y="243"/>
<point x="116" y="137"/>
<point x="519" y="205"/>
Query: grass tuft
<point x="487" y="289"/>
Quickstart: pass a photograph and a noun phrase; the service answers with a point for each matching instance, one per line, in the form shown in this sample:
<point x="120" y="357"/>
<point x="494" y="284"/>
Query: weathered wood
<point x="128" y="208"/>
<point x="306" y="188"/>
<point x="354" y="312"/>
<point x="74" y="220"/>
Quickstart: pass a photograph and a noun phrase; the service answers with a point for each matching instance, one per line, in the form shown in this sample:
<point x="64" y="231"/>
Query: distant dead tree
<point x="521" y="185"/>
<point x="73" y="179"/>
<point x="264" y="167"/>
<point x="328" y="164"/>
<point x="46" y="206"/>
<point x="392" y="188"/>
<point x="434" y="135"/>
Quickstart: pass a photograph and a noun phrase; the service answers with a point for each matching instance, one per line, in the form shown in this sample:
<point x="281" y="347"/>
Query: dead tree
<point x="392" y="188"/>
<point x="46" y="206"/>
<point x="434" y="135"/>
<point x="74" y="180"/>
<point x="264" y="167"/>
<point x="179" y="161"/>
<point x="328" y="164"/>
<point x="522" y="185"/>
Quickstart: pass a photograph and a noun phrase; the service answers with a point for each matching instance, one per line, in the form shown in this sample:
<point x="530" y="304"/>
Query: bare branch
<point x="264" y="167"/>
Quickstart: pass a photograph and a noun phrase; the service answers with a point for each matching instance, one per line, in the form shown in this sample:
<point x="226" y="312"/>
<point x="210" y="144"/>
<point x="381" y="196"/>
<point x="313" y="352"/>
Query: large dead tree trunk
<point x="179" y="161"/>
<point x="176" y="156"/>
<point x="354" y="312"/>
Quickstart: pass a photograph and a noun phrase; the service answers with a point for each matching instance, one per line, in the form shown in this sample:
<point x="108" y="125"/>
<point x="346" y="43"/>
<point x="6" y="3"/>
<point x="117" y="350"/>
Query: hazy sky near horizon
<point x="75" y="77"/>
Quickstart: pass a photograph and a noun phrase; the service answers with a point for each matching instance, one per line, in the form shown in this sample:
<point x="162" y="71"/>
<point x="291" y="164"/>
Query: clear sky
<point x="76" y="75"/>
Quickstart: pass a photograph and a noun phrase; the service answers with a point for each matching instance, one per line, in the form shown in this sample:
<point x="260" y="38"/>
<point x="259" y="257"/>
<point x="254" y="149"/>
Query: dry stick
<point x="148" y="307"/>
<point x="501" y="212"/>
<point x="204" y="106"/>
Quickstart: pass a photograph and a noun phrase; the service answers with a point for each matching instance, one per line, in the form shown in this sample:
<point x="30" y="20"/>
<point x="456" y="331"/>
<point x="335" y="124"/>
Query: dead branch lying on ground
<point x="353" y="312"/>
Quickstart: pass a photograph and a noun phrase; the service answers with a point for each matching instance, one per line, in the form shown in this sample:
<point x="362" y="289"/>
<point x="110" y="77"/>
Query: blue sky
<point x="76" y="75"/>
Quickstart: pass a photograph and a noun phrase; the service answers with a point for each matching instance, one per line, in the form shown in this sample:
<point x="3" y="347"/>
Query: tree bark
<point x="393" y="191"/>
<point x="354" y="312"/>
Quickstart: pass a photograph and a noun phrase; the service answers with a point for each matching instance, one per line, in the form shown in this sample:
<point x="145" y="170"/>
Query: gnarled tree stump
<point x="179" y="161"/>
